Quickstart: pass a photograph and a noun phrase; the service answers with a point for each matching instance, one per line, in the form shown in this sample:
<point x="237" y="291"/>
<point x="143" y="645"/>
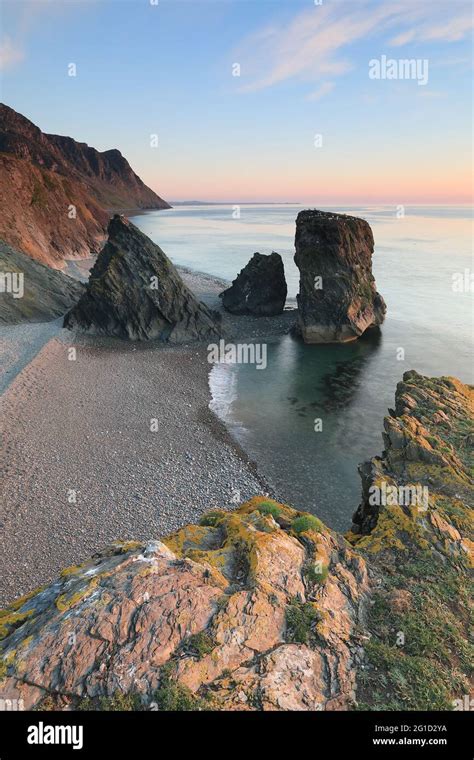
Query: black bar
<point x="113" y="734"/>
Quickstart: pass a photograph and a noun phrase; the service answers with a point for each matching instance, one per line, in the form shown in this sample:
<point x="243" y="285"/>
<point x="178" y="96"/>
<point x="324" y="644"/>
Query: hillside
<point x="42" y="176"/>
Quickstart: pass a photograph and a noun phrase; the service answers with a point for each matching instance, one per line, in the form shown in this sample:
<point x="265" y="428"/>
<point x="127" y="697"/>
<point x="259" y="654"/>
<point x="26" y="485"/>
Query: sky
<point x="255" y="100"/>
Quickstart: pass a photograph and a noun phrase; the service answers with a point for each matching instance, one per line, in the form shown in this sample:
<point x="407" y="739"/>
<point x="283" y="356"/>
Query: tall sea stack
<point x="337" y="300"/>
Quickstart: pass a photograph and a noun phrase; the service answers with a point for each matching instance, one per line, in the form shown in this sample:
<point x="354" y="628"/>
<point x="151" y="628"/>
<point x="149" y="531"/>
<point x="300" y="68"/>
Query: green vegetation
<point x="38" y="197"/>
<point x="304" y="523"/>
<point x="170" y="696"/>
<point x="119" y="702"/>
<point x="48" y="181"/>
<point x="198" y="645"/>
<point x="173" y="696"/>
<point x="313" y="575"/>
<point x="269" y="508"/>
<point x="432" y="663"/>
<point x="211" y="519"/>
<point x="301" y="620"/>
<point x="11" y="620"/>
<point x="408" y="683"/>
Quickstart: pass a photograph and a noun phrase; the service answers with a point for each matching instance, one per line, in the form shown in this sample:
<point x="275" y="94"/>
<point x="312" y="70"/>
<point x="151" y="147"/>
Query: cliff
<point x="42" y="176"/>
<point x="265" y="607"/>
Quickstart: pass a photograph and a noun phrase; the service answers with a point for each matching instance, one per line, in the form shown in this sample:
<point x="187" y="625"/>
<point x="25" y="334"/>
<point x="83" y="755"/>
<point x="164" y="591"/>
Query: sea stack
<point x="135" y="292"/>
<point x="259" y="289"/>
<point x="337" y="300"/>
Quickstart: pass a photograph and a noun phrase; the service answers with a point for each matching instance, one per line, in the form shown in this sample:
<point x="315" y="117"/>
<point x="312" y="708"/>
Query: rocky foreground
<point x="265" y="607"/>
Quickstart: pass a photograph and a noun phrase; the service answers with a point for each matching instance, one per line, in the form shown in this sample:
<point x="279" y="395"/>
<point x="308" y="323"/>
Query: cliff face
<point x="415" y="529"/>
<point x="265" y="607"/>
<point x="42" y="176"/>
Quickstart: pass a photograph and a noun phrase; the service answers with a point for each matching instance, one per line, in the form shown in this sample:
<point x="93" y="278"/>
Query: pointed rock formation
<point x="337" y="300"/>
<point x="260" y="288"/>
<point x="135" y="292"/>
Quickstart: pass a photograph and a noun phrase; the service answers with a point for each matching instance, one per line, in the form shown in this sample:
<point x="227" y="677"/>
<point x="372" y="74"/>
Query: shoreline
<point x="83" y="467"/>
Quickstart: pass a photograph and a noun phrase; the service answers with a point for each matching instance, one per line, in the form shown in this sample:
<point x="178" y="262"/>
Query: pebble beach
<point x="119" y="443"/>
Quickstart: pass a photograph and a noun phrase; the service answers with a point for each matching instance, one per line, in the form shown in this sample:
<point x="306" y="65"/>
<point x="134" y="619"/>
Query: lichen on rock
<point x="265" y="608"/>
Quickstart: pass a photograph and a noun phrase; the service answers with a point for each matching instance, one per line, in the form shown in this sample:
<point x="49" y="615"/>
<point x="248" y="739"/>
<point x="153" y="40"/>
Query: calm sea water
<point x="272" y="412"/>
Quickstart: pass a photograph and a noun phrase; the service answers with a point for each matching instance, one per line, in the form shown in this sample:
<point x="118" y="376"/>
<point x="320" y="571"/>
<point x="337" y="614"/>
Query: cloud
<point x="10" y="54"/>
<point x="446" y="30"/>
<point x="316" y="42"/>
<point x="323" y="90"/>
<point x="24" y="18"/>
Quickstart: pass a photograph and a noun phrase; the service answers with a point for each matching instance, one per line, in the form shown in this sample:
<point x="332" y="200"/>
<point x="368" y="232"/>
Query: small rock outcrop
<point x="265" y="608"/>
<point x="135" y="292"/>
<point x="259" y="289"/>
<point x="45" y="293"/>
<point x="337" y="300"/>
<point x="427" y="440"/>
<point x="257" y="608"/>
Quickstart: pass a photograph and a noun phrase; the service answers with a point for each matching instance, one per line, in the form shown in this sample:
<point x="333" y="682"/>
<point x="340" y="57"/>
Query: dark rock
<point x="135" y="292"/>
<point x="260" y="288"/>
<point x="47" y="293"/>
<point x="344" y="303"/>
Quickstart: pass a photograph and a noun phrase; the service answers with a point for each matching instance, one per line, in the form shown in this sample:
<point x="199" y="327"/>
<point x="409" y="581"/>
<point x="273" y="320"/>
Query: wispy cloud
<point x="322" y="90"/>
<point x="316" y="43"/>
<point x="10" y="53"/>
<point x="443" y="30"/>
<point x="23" y="20"/>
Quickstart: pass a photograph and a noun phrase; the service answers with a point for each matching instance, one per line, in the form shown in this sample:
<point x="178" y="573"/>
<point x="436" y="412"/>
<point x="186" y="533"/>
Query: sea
<point x="316" y="412"/>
